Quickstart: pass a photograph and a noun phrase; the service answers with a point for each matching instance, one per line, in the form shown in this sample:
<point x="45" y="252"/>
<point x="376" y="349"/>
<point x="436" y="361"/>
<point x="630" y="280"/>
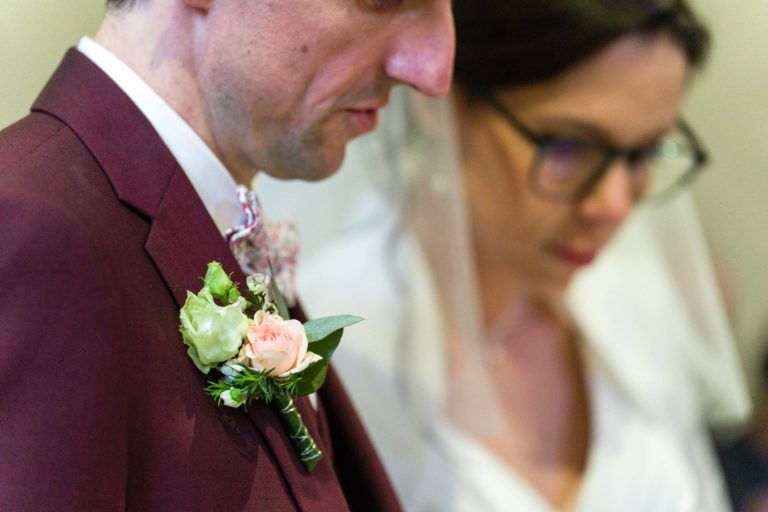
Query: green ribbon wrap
<point x="305" y="446"/>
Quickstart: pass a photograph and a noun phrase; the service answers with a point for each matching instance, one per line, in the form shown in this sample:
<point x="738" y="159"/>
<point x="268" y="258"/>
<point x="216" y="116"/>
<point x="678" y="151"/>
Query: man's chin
<point x="308" y="173"/>
<point x="321" y="168"/>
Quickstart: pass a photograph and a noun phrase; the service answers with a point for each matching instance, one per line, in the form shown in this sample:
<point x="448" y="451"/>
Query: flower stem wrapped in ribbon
<point x="258" y="350"/>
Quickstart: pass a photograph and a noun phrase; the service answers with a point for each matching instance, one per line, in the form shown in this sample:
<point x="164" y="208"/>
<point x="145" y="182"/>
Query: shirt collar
<point x="210" y="179"/>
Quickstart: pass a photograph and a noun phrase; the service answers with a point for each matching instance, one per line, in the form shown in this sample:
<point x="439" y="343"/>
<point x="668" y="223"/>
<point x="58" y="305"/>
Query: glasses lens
<point x="564" y="167"/>
<point x="670" y="162"/>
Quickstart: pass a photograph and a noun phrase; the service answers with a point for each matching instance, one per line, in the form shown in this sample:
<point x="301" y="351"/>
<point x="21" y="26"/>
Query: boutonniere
<point x="258" y="351"/>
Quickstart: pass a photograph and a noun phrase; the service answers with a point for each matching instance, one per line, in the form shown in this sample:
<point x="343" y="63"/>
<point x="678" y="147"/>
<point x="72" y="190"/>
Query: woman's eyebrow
<point x="574" y="127"/>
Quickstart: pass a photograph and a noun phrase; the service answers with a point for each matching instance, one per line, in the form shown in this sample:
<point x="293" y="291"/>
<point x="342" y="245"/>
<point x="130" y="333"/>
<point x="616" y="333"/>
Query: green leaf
<point x="320" y="328"/>
<point x="282" y="309"/>
<point x="326" y="346"/>
<point x="312" y="378"/>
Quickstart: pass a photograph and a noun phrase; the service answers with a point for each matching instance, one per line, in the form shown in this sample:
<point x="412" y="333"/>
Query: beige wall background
<point x="33" y="37"/>
<point x="727" y="105"/>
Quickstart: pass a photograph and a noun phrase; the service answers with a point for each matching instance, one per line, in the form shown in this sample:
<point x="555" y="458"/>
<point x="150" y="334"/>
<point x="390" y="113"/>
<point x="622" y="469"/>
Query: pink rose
<point x="278" y="345"/>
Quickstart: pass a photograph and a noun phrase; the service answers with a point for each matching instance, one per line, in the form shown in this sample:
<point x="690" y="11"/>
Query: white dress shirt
<point x="210" y="179"/>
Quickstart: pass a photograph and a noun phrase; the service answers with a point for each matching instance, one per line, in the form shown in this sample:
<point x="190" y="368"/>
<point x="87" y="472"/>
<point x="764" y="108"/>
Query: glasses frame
<point x="632" y="156"/>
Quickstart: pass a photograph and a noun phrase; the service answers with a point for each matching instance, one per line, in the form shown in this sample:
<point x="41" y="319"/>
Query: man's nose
<point x="423" y="53"/>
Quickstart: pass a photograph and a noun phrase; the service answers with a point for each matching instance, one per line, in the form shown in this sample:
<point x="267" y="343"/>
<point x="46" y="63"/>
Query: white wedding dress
<point x="658" y="353"/>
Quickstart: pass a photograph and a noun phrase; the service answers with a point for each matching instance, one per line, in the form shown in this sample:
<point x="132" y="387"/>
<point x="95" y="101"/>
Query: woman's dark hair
<point x="120" y="3"/>
<point x="764" y="373"/>
<point x="512" y="42"/>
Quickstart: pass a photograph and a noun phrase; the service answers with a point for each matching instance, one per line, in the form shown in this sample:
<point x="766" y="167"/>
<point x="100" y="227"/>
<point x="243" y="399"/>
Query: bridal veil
<point x="388" y="239"/>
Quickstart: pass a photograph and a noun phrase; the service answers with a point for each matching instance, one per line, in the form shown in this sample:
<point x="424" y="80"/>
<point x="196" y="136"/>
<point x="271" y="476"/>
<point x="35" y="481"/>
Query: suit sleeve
<point x="62" y="413"/>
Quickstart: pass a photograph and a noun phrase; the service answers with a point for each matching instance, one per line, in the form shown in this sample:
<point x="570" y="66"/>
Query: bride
<point x="543" y="330"/>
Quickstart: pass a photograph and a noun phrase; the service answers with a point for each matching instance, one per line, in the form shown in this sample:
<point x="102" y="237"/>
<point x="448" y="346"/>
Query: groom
<point x="114" y="194"/>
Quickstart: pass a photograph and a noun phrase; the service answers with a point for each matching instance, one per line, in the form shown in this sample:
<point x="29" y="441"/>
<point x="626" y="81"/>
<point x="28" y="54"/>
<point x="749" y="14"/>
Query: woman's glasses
<point x="568" y="169"/>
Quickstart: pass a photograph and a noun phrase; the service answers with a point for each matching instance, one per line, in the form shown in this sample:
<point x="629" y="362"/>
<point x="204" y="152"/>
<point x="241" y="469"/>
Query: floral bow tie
<point x="263" y="247"/>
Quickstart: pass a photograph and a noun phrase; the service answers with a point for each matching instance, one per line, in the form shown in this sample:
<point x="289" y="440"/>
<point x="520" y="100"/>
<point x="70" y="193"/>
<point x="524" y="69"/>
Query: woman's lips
<point x="573" y="257"/>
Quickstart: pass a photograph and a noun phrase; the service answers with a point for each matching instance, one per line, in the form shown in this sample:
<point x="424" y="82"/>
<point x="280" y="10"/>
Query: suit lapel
<point x="182" y="238"/>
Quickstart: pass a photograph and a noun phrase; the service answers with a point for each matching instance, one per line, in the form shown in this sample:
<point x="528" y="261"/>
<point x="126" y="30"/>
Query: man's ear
<point x="203" y="5"/>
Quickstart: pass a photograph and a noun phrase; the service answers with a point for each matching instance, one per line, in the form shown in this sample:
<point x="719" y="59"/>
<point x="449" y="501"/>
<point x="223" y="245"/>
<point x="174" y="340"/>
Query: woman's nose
<point x="613" y="198"/>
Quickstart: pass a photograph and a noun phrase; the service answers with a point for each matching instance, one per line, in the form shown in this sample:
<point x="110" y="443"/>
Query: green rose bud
<point x="213" y="333"/>
<point x="219" y="283"/>
<point x="233" y="397"/>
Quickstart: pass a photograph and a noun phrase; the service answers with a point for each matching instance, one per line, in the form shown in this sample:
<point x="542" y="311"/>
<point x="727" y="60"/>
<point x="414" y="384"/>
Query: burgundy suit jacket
<point x="101" y="236"/>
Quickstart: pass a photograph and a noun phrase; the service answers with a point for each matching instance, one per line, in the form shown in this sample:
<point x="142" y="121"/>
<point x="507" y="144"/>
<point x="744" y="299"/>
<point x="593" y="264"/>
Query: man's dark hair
<point x="508" y="42"/>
